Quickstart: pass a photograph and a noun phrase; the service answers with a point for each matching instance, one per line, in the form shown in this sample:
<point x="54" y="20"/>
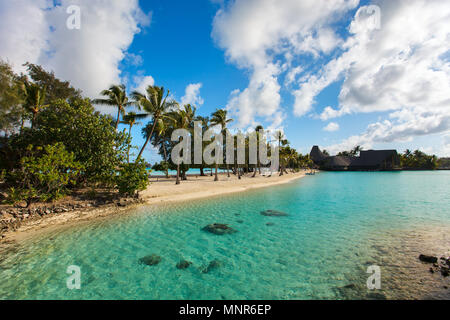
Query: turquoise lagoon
<point x="339" y="224"/>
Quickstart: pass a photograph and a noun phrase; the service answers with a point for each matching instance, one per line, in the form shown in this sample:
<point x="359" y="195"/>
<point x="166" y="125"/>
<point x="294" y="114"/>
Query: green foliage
<point x="10" y="98"/>
<point x="83" y="131"/>
<point x="418" y="160"/>
<point x="44" y="175"/>
<point x="352" y="153"/>
<point x="132" y="178"/>
<point x="55" y="88"/>
<point x="162" y="166"/>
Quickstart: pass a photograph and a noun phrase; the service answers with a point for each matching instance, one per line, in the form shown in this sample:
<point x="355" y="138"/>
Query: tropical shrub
<point x="43" y="175"/>
<point x="132" y="178"/>
<point x="83" y="131"/>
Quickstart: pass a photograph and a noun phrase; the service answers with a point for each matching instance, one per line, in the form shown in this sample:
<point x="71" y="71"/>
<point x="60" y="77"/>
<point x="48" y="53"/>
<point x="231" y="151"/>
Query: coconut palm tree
<point x="219" y="117"/>
<point x="116" y="96"/>
<point x="205" y="127"/>
<point x="258" y="137"/>
<point x="182" y="119"/>
<point x="34" y="100"/>
<point x="282" y="141"/>
<point x="130" y="119"/>
<point x="156" y="104"/>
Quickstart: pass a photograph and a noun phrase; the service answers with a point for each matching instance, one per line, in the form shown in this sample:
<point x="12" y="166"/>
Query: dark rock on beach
<point x="273" y="213"/>
<point x="183" y="264"/>
<point x="211" y="266"/>
<point x="219" y="229"/>
<point x="151" y="260"/>
<point x="428" y="259"/>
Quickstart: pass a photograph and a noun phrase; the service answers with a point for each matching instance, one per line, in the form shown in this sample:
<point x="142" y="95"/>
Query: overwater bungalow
<point x="370" y="160"/>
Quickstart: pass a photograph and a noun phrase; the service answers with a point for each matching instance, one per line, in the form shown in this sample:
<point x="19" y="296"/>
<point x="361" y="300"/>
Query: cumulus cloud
<point x="331" y="127"/>
<point x="402" y="68"/>
<point x="24" y="31"/>
<point x="192" y="95"/>
<point x="142" y="83"/>
<point x="256" y="33"/>
<point x="88" y="57"/>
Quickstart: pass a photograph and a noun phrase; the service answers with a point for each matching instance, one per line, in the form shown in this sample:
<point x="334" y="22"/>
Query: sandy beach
<point x="196" y="187"/>
<point x="160" y="191"/>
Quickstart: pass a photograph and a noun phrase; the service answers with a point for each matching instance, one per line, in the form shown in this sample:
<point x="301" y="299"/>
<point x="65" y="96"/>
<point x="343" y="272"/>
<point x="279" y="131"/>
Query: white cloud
<point x="142" y="82"/>
<point x="24" y="31"/>
<point x="402" y="68"/>
<point x="88" y="57"/>
<point x="445" y="149"/>
<point x="331" y="127"/>
<point x="192" y="95"/>
<point x="255" y="33"/>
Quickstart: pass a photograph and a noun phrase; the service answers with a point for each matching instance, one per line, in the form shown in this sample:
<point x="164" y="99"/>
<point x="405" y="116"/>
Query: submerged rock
<point x="428" y="259"/>
<point x="211" y="266"/>
<point x="150" y="260"/>
<point x="240" y="221"/>
<point x="183" y="264"/>
<point x="219" y="229"/>
<point x="273" y="213"/>
<point x="269" y="224"/>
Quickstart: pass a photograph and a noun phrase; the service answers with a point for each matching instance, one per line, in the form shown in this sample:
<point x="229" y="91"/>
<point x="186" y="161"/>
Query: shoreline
<point x="158" y="193"/>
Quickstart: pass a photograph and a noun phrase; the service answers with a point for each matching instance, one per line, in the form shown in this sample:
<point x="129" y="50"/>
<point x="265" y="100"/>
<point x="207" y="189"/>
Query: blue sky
<point x="324" y="72"/>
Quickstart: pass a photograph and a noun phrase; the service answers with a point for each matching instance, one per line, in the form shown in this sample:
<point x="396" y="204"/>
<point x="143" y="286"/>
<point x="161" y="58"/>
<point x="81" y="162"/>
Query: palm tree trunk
<point x="178" y="175"/>
<point x="118" y="117"/>
<point x="165" y="159"/>
<point x="239" y="172"/>
<point x="228" y="171"/>
<point x="148" y="139"/>
<point x="129" y="146"/>
<point x="216" y="178"/>
<point x="33" y="120"/>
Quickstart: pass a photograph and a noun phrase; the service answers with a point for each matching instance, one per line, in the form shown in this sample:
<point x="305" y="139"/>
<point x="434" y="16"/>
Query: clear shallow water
<point x="338" y="225"/>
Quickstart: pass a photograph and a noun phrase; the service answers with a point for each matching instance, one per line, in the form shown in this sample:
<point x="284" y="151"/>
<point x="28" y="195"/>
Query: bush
<point x="83" y="131"/>
<point x="132" y="178"/>
<point x="43" y="175"/>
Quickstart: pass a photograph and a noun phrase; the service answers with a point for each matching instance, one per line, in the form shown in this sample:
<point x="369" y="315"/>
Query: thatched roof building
<point x="316" y="155"/>
<point x="370" y="160"/>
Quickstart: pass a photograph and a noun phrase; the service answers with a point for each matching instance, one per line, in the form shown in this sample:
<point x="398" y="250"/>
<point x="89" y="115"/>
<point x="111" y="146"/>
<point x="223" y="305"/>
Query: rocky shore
<point x="13" y="218"/>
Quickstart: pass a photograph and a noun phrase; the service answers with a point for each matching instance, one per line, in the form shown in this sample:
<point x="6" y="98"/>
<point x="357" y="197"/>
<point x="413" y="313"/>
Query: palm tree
<point x="356" y="151"/>
<point x="219" y="117"/>
<point x="34" y="100"/>
<point x="182" y="119"/>
<point x="155" y="102"/>
<point x="281" y="142"/>
<point x="205" y="127"/>
<point x="116" y="97"/>
<point x="258" y="137"/>
<point x="130" y="119"/>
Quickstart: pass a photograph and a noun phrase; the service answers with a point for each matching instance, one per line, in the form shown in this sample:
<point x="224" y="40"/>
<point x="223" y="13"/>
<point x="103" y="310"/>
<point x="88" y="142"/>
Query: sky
<point x="331" y="73"/>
